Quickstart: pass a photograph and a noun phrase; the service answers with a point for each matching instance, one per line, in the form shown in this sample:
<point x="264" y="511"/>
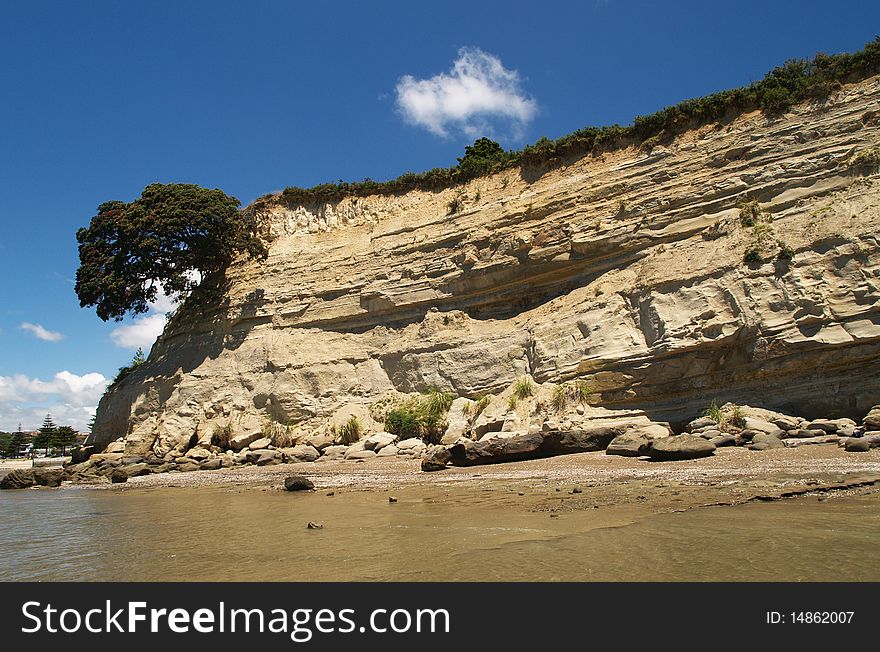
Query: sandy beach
<point x="571" y="482"/>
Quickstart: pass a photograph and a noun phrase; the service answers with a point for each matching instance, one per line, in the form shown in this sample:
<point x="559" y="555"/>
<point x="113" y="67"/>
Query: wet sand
<point x="626" y="487"/>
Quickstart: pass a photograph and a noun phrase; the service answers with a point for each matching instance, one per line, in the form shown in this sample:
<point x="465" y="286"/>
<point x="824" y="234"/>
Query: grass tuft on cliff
<point x="794" y="81"/>
<point x="421" y="416"/>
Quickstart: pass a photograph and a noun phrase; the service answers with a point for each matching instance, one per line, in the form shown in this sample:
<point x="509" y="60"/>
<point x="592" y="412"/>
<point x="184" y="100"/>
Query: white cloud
<point x="41" y="333"/>
<point x="143" y="330"/>
<point x="141" y="333"/>
<point x="70" y="399"/>
<point x="477" y="89"/>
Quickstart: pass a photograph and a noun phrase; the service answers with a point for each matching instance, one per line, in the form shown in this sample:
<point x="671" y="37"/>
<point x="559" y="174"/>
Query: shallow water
<point x="429" y="534"/>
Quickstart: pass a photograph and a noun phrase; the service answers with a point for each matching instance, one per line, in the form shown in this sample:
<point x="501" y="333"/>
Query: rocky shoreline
<point x="518" y="425"/>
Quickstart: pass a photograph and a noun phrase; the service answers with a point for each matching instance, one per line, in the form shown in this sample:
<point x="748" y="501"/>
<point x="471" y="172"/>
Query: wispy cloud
<point x="41" y="333"/>
<point x="474" y="94"/>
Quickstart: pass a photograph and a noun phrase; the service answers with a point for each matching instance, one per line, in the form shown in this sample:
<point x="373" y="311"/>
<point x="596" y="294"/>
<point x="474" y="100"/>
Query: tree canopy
<point x="482" y="157"/>
<point x="131" y="249"/>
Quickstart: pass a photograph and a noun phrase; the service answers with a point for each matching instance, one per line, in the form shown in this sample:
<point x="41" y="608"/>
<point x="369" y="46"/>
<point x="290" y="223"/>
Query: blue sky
<point x="100" y="99"/>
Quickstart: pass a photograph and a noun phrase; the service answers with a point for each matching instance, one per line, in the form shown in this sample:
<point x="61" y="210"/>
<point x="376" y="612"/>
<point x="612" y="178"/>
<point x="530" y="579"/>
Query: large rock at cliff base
<point x="458" y="420"/>
<point x="436" y="459"/>
<point x="872" y="419"/>
<point x="379" y="441"/>
<point x="244" y="440"/>
<point x="533" y="445"/>
<point x="797" y="442"/>
<point x="18" y="479"/>
<point x="81" y="454"/>
<point x="701" y="423"/>
<point x="765" y="441"/>
<point x="680" y="447"/>
<point x="629" y="444"/>
<point x="300" y="453"/>
<point x="263" y="457"/>
<point x="857" y="445"/>
<point x="24" y="478"/>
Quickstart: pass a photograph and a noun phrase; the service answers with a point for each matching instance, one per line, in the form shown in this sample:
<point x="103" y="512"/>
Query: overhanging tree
<point x="131" y="249"/>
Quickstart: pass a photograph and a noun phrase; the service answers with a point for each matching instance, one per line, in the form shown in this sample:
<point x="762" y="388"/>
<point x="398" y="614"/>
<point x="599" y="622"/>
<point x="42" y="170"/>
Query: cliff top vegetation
<point x="795" y="81"/>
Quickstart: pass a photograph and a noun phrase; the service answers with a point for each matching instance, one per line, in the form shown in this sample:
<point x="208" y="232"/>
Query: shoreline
<point x="630" y="487"/>
<point x="580" y="517"/>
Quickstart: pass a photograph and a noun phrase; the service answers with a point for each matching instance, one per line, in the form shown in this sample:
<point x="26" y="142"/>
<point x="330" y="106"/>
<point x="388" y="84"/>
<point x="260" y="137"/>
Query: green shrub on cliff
<point x="136" y="362"/>
<point x="579" y="391"/>
<point x="221" y="436"/>
<point x="350" y="431"/>
<point x="422" y="416"/>
<point x="524" y="388"/>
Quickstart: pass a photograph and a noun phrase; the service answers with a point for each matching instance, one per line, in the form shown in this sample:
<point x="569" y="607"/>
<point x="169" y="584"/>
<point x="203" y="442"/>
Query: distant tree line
<point x="49" y="436"/>
<point x="795" y="81"/>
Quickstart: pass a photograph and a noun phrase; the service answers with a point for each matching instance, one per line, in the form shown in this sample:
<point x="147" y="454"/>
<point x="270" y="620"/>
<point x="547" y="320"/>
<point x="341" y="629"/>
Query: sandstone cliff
<point x="625" y="269"/>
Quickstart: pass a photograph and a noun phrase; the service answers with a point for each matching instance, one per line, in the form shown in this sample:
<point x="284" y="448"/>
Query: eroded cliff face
<point x="625" y="269"/>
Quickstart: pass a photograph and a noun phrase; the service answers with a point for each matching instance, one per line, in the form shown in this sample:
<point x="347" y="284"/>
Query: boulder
<point x="796" y="442"/>
<point x="724" y="439"/>
<point x="436" y="459"/>
<point x="300" y="453"/>
<point x="765" y="441"/>
<point x="825" y="425"/>
<point x="873" y="439"/>
<point x="872" y="419"/>
<point x="344" y="414"/>
<point x="379" y="441"/>
<point x="134" y="470"/>
<point x="751" y="423"/>
<point x="211" y="465"/>
<point x="354" y="454"/>
<point x="749" y="433"/>
<point x="244" y="440"/>
<point x="534" y="445"/>
<point x="187" y="467"/>
<point x="486" y="424"/>
<point x="654" y="430"/>
<point x="298" y="483"/>
<point x="117" y="446"/>
<point x="388" y="451"/>
<point x="18" y="479"/>
<point x="804" y="433"/>
<point x="320" y="442"/>
<point x="331" y="453"/>
<point x="81" y="454"/>
<point x="857" y="445"/>
<point x="408" y="444"/>
<point x="259" y="444"/>
<point x="680" y="447"/>
<point x="458" y="421"/>
<point x="118" y="476"/>
<point x="700" y="424"/>
<point x="630" y="444"/>
<point x="263" y="457"/>
<point x="198" y="453"/>
<point x="709" y="433"/>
